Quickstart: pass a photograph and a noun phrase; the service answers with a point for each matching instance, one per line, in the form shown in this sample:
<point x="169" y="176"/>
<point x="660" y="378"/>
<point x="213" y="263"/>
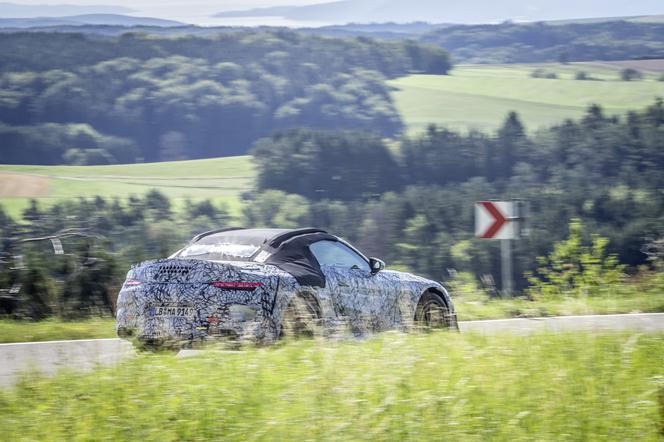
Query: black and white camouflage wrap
<point x="352" y="300"/>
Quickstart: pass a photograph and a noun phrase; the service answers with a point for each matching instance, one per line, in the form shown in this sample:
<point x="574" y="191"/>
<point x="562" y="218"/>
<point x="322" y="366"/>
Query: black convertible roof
<point x="286" y="248"/>
<point x="256" y="237"/>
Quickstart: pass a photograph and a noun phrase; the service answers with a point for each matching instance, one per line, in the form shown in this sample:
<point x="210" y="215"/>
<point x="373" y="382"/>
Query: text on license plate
<point x="169" y="310"/>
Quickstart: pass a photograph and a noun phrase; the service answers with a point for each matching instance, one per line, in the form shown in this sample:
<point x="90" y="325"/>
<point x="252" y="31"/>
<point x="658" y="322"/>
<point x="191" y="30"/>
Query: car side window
<point x="333" y="253"/>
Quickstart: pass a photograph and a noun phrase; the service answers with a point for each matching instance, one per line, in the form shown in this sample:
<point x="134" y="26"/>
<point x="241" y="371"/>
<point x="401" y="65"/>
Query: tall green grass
<point x="394" y="387"/>
<point x="641" y="294"/>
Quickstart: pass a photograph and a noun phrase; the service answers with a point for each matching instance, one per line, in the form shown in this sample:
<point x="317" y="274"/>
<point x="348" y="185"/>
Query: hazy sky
<point x="193" y="11"/>
<point x="200" y="11"/>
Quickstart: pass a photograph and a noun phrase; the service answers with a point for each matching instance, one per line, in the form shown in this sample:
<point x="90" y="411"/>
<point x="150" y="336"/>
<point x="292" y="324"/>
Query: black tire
<point x="300" y="319"/>
<point x="432" y="313"/>
<point x="156" y="345"/>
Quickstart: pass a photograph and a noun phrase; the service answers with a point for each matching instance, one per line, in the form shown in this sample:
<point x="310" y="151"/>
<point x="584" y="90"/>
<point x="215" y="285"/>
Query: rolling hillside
<point x="479" y="96"/>
<point x="220" y="179"/>
<point x="85" y="19"/>
<point x="474" y="96"/>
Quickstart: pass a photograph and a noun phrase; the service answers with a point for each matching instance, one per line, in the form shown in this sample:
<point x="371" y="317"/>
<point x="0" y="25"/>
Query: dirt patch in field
<point x="643" y="65"/>
<point x="22" y="185"/>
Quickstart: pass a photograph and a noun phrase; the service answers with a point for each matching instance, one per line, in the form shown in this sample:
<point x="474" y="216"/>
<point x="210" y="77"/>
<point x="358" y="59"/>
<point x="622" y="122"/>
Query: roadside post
<point x="501" y="220"/>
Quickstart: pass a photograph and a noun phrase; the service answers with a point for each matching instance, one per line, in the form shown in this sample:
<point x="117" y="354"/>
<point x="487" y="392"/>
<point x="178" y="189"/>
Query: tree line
<point x="550" y="42"/>
<point x="74" y="98"/>
<point x="506" y="42"/>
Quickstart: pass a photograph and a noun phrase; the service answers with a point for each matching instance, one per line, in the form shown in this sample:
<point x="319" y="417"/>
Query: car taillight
<point x="132" y="282"/>
<point x="237" y="285"/>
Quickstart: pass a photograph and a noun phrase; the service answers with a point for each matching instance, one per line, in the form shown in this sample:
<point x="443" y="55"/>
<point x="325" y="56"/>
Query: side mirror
<point x="376" y="265"/>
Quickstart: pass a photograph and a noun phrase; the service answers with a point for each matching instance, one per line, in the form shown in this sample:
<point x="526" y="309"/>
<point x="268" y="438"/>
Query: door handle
<point x="343" y="284"/>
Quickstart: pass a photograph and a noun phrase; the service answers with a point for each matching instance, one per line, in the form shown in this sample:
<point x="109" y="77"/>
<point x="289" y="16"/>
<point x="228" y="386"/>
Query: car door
<point x="355" y="292"/>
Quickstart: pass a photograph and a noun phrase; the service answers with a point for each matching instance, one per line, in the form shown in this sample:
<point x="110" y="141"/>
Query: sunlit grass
<point x="472" y="309"/>
<point x="480" y="96"/>
<point x="55" y="330"/>
<point x="221" y="180"/>
<point x="416" y="387"/>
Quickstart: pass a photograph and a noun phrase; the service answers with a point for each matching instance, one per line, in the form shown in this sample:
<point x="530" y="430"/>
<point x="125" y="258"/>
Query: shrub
<point x="630" y="74"/>
<point x="574" y="268"/>
<point x="542" y="73"/>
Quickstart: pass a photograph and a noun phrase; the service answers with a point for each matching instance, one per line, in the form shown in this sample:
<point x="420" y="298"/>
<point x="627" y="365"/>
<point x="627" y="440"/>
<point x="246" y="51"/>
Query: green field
<point x="419" y="387"/>
<point x="219" y="179"/>
<point x="480" y="96"/>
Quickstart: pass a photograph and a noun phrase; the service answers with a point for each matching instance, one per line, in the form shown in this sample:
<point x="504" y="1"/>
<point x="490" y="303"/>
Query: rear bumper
<point x="187" y="312"/>
<point x="194" y="330"/>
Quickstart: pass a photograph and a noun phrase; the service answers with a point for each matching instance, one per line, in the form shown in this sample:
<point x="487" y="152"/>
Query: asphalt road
<point x="49" y="357"/>
<point x="643" y="322"/>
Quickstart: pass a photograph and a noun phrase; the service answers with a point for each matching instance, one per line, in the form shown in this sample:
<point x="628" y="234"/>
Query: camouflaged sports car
<point x="263" y="284"/>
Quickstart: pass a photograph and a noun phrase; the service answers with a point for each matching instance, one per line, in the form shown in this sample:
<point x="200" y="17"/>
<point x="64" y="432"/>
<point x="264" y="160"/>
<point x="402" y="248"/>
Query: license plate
<point x="170" y="310"/>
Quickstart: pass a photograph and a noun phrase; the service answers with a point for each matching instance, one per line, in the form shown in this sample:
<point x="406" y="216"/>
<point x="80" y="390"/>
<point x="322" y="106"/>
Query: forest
<point x="81" y="99"/>
<point x="597" y="178"/>
<point x="508" y="42"/>
<point x="550" y="42"/>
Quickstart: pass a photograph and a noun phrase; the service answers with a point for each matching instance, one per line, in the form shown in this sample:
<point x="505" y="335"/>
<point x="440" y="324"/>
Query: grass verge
<point x="474" y="309"/>
<point x="440" y="386"/>
<point x="55" y="330"/>
<point x="643" y="293"/>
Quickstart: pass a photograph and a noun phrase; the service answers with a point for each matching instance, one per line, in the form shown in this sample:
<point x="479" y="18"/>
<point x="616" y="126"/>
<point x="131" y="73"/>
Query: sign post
<point x="506" y="266"/>
<point x="500" y="220"/>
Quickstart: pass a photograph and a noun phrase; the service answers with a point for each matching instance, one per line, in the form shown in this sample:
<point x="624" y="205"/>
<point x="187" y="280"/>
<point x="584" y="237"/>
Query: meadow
<point x="217" y="179"/>
<point x="440" y="386"/>
<point x="480" y="96"/>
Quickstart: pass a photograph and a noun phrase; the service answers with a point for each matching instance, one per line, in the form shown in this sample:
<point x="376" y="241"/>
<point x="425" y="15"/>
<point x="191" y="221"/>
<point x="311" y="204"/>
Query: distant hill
<point x="633" y="19"/>
<point x="470" y="11"/>
<point x="629" y="38"/>
<point x="86" y="19"/>
<point x="543" y="42"/>
<point x="14" y="10"/>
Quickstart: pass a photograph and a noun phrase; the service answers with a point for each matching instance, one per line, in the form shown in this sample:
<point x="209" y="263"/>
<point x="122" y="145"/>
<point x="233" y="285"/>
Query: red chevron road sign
<point x="494" y="220"/>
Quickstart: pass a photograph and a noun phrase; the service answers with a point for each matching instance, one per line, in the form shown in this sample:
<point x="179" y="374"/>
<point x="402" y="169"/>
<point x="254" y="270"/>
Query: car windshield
<point x="219" y="252"/>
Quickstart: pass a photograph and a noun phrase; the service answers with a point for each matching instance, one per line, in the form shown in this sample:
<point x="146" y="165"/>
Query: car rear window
<point x="219" y="252"/>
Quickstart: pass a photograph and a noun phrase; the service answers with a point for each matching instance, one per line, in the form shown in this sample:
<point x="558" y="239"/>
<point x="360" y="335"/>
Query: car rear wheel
<point x="299" y="320"/>
<point x="432" y="313"/>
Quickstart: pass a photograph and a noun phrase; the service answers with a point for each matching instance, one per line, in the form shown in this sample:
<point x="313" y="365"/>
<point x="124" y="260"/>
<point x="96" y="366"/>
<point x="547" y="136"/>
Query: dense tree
<point x="308" y="163"/>
<point x="137" y="97"/>
<point x="541" y="42"/>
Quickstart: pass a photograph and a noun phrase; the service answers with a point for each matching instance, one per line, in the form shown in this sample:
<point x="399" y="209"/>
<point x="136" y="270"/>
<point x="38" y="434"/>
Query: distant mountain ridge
<point x="470" y="11"/>
<point x="15" y="10"/>
<point x="86" y="19"/>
